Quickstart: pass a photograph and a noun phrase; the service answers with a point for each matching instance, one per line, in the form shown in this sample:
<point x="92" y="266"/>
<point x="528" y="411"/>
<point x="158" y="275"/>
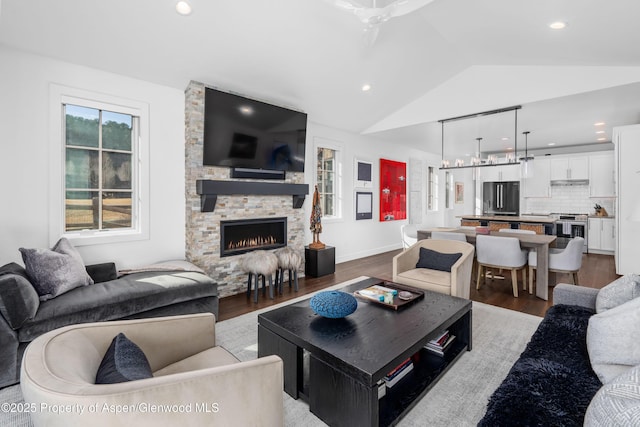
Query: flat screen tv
<point x="244" y="133"/>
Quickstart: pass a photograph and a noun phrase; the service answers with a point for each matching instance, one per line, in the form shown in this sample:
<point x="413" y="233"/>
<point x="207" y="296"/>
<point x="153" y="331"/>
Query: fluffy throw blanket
<point x="552" y="382"/>
<point x="174" y="265"/>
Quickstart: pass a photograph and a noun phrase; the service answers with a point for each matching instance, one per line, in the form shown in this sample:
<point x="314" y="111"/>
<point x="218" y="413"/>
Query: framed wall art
<point x="459" y="195"/>
<point x="364" y="205"/>
<point x="393" y="190"/>
<point x="363" y="173"/>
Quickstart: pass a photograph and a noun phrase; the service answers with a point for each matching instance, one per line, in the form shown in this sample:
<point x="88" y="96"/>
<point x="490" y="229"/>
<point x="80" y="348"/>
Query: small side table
<point x="319" y="262"/>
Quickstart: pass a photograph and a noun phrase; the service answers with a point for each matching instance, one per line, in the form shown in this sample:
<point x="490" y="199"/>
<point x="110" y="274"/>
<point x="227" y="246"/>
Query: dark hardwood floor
<point x="596" y="272"/>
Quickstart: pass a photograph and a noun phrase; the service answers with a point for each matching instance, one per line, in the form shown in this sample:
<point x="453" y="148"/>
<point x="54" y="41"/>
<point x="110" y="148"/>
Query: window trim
<point x="339" y="149"/>
<point x="60" y="95"/>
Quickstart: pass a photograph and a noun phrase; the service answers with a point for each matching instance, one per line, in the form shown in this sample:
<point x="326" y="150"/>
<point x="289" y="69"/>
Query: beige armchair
<point x="195" y="383"/>
<point x="456" y="283"/>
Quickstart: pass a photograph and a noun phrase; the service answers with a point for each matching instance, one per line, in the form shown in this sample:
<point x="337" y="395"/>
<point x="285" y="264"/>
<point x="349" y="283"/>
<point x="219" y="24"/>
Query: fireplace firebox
<point x="246" y="235"/>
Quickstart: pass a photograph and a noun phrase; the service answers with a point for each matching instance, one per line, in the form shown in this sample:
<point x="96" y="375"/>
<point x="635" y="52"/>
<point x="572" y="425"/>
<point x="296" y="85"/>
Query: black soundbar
<point x="257" y="173"/>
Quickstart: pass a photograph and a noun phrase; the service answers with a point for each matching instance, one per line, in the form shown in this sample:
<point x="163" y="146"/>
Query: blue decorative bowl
<point x="333" y="304"/>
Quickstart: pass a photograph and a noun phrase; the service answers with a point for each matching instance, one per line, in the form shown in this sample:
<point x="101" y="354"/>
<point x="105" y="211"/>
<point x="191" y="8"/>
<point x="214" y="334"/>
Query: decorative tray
<point x="390" y="294"/>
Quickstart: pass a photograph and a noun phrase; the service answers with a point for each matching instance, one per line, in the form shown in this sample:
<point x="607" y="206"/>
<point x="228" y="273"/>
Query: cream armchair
<point x="195" y="383"/>
<point x="456" y="283"/>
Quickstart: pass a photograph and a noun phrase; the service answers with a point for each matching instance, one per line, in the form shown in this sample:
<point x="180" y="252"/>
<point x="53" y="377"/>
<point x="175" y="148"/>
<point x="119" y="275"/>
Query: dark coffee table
<point x="336" y="364"/>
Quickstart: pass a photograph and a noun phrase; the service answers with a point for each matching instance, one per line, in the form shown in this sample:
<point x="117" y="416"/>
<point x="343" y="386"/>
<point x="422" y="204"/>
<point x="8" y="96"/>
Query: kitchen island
<point x="540" y="224"/>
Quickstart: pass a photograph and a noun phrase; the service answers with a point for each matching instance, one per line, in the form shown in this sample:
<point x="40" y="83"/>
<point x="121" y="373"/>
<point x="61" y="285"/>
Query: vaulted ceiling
<point x="448" y="58"/>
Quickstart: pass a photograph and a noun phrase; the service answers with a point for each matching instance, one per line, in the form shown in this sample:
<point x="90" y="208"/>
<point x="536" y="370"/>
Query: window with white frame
<point x="326" y="179"/>
<point x="99" y="168"/>
<point x="432" y="189"/>
<point x="448" y="192"/>
<point x="99" y="163"/>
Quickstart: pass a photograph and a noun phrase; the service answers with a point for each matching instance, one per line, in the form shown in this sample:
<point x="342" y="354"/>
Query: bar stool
<point x="259" y="264"/>
<point x="288" y="259"/>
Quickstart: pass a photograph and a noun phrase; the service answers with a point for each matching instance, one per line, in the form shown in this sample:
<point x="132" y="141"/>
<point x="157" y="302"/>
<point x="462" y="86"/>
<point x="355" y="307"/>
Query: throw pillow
<point x="616" y="403"/>
<point x="613" y="340"/>
<point x="56" y="271"/>
<point x="618" y="292"/>
<point x="123" y="361"/>
<point x="18" y="299"/>
<point x="435" y="260"/>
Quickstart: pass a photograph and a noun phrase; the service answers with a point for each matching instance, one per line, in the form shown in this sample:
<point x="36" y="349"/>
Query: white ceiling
<point x="448" y="58"/>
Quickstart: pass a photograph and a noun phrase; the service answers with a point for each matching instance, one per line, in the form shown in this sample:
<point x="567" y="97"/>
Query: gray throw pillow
<point x="617" y="403"/>
<point x="435" y="260"/>
<point x="56" y="271"/>
<point x="618" y="292"/>
<point x="123" y="361"/>
<point x="18" y="299"/>
<point x="613" y="340"/>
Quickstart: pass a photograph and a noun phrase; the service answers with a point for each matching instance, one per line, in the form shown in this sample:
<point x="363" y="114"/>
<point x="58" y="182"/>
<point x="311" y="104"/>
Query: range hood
<point x="559" y="182"/>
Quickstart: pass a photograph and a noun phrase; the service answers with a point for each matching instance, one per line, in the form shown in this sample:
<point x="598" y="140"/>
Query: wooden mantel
<point x="210" y="189"/>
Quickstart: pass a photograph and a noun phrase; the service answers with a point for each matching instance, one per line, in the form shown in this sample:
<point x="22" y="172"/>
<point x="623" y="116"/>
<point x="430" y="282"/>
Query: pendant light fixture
<point x="526" y="162"/>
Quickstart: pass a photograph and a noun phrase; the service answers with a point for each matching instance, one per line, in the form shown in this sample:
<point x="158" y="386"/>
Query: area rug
<point x="459" y="398"/>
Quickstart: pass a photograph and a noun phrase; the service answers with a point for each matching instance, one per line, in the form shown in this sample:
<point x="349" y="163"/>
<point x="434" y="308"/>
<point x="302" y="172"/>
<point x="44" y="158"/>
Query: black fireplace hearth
<point x="245" y="235"/>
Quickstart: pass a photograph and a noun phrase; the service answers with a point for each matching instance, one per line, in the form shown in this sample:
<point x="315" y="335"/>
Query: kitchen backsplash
<point x="567" y="199"/>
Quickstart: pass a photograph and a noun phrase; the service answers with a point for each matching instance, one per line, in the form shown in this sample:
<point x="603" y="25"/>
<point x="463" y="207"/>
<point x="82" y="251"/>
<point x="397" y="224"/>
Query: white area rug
<point x="458" y="399"/>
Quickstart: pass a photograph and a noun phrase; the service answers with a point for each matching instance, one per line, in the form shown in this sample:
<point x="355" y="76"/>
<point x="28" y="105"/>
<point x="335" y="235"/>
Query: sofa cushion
<point x="437" y="277"/>
<point x="616" y="403"/>
<point x="129" y="295"/>
<point x="435" y="260"/>
<point x="18" y="299"/>
<point x="618" y="292"/>
<point x="102" y="272"/>
<point x="124" y="361"/>
<point x="56" y="271"/>
<point x="209" y="358"/>
<point x="613" y="340"/>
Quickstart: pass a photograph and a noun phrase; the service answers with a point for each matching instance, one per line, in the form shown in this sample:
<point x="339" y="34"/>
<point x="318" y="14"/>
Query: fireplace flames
<point x="253" y="242"/>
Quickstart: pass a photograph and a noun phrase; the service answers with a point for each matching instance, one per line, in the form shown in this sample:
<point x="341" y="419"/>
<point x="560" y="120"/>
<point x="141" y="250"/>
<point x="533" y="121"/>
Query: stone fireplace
<point x="204" y="245"/>
<point x="245" y="235"/>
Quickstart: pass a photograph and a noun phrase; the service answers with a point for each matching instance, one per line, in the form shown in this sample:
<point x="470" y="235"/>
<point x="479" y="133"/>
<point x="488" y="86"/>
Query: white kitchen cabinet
<point x="500" y="173"/>
<point x="570" y="168"/>
<point x="626" y="140"/>
<point x="602" y="235"/>
<point x="538" y="184"/>
<point x="601" y="175"/>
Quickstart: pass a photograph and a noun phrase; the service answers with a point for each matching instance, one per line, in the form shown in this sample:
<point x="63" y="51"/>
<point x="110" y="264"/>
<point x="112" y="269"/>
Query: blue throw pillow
<point x="123" y="361"/>
<point x="435" y="260"/>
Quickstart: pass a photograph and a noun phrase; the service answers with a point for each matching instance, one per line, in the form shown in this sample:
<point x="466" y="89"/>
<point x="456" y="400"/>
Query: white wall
<point x="356" y="239"/>
<point x="24" y="158"/>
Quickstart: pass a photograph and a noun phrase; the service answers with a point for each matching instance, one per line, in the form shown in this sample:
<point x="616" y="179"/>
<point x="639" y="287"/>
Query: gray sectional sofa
<point x="24" y="317"/>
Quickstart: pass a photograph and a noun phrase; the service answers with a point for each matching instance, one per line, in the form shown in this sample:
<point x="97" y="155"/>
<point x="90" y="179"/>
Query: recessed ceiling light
<point x="246" y="110"/>
<point x="558" y="25"/>
<point x="600" y="131"/>
<point x="602" y="139"/>
<point x="505" y="138"/>
<point x="599" y="124"/>
<point x="551" y="143"/>
<point x="183" y="8"/>
<point x="509" y="148"/>
<point x="366" y="87"/>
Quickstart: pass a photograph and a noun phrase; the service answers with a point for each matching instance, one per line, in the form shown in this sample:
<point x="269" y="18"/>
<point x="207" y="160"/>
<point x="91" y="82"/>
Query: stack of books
<point x="440" y="344"/>
<point x="398" y="373"/>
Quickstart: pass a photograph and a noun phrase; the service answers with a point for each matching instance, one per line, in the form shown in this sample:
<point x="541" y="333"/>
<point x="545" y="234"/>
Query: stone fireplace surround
<point x="203" y="228"/>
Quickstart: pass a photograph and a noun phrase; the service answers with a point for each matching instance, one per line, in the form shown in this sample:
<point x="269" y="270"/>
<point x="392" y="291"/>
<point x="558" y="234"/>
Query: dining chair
<point x="520" y="231"/>
<point x="448" y="235"/>
<point x="501" y="252"/>
<point x="409" y="233"/>
<point x="567" y="260"/>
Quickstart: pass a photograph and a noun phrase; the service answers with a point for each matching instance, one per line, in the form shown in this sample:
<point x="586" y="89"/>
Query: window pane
<point x="327" y="184"/>
<point x="116" y="171"/>
<point x="81" y="168"/>
<point x="81" y="210"/>
<point x="116" y="131"/>
<point x="116" y="210"/>
<point x="328" y="204"/>
<point x="81" y="126"/>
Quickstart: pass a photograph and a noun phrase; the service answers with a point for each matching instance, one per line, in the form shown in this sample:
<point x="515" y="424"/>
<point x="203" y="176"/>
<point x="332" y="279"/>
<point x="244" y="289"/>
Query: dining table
<point x="539" y="242"/>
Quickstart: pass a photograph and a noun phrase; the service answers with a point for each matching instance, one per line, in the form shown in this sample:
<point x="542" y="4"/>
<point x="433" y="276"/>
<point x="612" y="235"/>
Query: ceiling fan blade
<point x="404" y="7"/>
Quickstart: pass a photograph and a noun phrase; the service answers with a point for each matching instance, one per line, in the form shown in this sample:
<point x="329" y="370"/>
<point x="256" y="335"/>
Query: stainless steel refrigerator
<point x="501" y="198"/>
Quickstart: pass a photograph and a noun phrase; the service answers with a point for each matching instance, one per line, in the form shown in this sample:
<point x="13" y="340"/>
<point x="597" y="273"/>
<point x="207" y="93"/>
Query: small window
<point x="326" y="179"/>
<point x="432" y="188"/>
<point x="448" y="192"/>
<point x="99" y="168"/>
